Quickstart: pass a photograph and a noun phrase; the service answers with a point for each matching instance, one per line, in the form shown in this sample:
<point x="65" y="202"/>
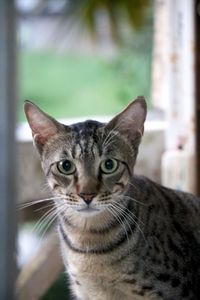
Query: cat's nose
<point x="87" y="197"/>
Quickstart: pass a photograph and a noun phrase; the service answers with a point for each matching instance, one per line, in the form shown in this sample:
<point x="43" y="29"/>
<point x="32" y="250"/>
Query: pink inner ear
<point x="43" y="133"/>
<point x="130" y="120"/>
<point x="43" y="126"/>
<point x="135" y="115"/>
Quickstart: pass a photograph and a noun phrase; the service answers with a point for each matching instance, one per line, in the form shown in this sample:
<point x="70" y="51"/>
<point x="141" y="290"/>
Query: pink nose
<point x="87" y="197"/>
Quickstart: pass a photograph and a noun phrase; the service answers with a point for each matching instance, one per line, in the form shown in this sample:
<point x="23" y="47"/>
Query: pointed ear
<point x="43" y="126"/>
<point x="130" y="121"/>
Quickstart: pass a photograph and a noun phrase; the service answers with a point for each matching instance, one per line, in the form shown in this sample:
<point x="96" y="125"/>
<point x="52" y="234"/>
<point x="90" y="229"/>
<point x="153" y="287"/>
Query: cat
<point x="122" y="236"/>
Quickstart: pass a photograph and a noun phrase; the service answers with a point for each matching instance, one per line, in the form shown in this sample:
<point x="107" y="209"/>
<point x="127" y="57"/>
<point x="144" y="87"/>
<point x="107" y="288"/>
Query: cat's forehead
<point x="86" y="139"/>
<point x="86" y="128"/>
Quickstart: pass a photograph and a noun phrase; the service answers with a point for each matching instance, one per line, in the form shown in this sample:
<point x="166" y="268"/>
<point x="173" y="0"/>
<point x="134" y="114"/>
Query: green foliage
<point x="118" y="11"/>
<point x="133" y="75"/>
<point x="71" y="85"/>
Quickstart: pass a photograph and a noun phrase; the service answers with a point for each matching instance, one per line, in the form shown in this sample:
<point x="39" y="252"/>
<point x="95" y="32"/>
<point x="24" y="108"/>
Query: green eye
<point x="109" y="166"/>
<point x="66" y="167"/>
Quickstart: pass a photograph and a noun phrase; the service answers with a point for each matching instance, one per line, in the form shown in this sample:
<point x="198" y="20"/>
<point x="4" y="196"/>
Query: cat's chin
<point x="88" y="211"/>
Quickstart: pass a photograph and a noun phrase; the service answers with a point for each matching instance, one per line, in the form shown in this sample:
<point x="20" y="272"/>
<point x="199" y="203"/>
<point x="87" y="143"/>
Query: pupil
<point x="66" y="165"/>
<point x="109" y="164"/>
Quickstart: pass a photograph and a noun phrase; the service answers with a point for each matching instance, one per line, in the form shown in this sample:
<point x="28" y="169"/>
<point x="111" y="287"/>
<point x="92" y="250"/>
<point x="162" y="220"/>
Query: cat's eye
<point x="109" y="166"/>
<point x="66" y="167"/>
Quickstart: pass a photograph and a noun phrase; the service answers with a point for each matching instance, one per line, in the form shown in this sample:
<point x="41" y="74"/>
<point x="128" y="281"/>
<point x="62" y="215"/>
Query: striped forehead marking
<point x="86" y="139"/>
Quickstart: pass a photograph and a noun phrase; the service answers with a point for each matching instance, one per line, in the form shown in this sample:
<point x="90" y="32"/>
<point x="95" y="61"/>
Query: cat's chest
<point x="91" y="266"/>
<point x="91" y="275"/>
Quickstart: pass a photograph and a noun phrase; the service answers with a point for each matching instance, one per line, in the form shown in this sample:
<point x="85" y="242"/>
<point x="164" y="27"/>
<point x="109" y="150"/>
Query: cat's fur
<point x="123" y="237"/>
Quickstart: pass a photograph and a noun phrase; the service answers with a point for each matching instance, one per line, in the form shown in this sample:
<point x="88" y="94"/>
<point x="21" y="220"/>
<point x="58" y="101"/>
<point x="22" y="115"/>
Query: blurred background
<point x="79" y="59"/>
<point x="74" y="54"/>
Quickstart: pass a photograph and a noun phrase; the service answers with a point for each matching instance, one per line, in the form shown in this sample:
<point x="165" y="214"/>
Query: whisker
<point x="25" y="205"/>
<point x="40" y="222"/>
<point x="48" y="217"/>
<point x="44" y="207"/>
<point x="130" y="198"/>
<point x="122" y="212"/>
<point x="131" y="216"/>
<point x="111" y="209"/>
<point x="110" y="140"/>
<point x="124" y="196"/>
<point x="112" y="133"/>
<point x="51" y="219"/>
<point x="129" y="211"/>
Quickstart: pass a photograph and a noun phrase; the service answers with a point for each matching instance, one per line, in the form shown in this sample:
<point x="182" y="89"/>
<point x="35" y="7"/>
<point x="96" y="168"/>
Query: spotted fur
<point x="135" y="239"/>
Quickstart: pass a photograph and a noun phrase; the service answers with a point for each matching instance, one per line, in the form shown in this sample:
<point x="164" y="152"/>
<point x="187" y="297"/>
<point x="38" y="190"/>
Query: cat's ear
<point x="42" y="125"/>
<point x="131" y="120"/>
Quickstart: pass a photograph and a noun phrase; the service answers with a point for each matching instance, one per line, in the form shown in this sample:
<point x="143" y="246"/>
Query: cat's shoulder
<point x="176" y="197"/>
<point x="183" y="207"/>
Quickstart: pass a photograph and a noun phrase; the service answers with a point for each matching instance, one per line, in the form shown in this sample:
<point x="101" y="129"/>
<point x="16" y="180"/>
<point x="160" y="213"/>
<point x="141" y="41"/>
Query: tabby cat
<point x="122" y="237"/>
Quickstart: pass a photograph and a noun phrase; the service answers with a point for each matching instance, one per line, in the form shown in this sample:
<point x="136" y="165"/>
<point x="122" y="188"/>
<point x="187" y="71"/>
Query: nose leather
<point x="87" y="197"/>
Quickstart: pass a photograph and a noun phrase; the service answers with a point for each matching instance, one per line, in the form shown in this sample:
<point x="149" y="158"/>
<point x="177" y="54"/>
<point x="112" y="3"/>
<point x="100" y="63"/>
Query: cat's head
<point x="88" y="164"/>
